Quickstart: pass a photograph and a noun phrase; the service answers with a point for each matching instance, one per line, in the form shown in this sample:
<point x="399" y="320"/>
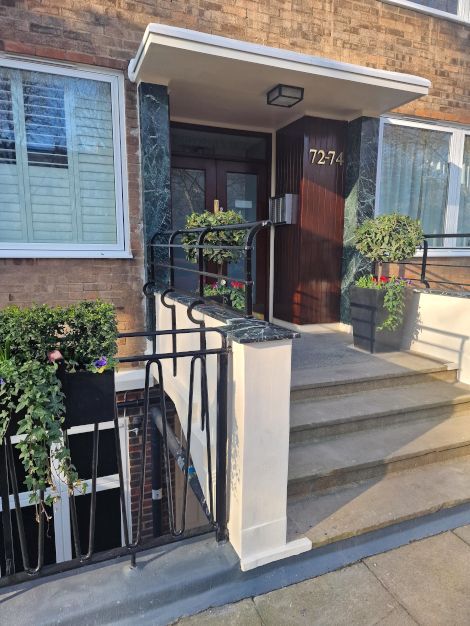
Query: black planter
<point x="89" y="398"/>
<point x="367" y="313"/>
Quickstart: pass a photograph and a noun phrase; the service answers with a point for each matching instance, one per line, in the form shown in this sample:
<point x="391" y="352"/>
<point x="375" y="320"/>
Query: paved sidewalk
<point x="425" y="583"/>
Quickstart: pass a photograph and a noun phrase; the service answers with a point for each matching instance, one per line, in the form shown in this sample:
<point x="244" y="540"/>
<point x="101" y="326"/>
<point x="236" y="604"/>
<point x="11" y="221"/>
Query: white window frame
<point x="456" y="148"/>
<point x="462" y="16"/>
<point x="121" y="249"/>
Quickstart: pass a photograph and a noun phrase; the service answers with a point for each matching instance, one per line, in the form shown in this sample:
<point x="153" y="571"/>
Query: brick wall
<point x="107" y="33"/>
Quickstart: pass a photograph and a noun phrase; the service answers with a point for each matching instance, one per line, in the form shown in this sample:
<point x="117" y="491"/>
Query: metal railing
<point x="201" y="271"/>
<point x="427" y="247"/>
<point x="17" y="547"/>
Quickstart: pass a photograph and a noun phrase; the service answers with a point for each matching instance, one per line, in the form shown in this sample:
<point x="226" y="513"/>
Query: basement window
<point x="61" y="162"/>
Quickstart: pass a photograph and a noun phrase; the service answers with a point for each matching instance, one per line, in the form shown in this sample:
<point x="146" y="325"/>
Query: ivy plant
<point x="82" y="336"/>
<point x="226" y="239"/>
<point x="394" y="298"/>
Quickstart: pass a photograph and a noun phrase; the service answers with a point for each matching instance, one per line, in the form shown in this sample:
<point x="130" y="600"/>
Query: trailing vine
<point x="394" y="298"/>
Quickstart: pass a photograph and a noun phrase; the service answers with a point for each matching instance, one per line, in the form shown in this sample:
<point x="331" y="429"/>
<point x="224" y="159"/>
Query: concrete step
<point x="374" y="504"/>
<point x="372" y="453"/>
<point x="393" y="369"/>
<point x="313" y="419"/>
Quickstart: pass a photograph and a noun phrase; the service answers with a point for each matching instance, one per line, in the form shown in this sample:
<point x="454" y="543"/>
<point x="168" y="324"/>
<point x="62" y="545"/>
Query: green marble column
<point x="154" y="119"/>
<point x="361" y="171"/>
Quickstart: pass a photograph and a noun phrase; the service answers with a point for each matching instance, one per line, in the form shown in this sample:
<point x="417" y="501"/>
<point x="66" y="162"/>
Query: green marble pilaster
<point x="361" y="172"/>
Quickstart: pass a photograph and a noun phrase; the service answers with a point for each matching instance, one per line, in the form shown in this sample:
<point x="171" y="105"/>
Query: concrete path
<point x="425" y="583"/>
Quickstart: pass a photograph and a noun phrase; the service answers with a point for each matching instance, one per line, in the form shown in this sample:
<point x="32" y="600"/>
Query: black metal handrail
<point x="426" y="247"/>
<point x="155" y="405"/>
<point x="251" y="228"/>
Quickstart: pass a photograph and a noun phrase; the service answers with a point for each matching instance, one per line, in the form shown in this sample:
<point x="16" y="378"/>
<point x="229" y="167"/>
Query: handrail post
<point x="201" y="265"/>
<point x="424" y="263"/>
<point x="222" y="442"/>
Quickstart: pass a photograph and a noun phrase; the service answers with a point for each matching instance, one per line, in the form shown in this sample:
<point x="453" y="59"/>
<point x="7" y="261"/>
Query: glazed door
<point x="209" y="184"/>
<point x="241" y="187"/>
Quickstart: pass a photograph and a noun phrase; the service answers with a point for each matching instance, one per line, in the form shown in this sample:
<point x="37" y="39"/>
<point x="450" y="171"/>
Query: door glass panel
<point x="464" y="209"/>
<point x="242" y="194"/>
<point x="188" y="195"/>
<point x="217" y="145"/>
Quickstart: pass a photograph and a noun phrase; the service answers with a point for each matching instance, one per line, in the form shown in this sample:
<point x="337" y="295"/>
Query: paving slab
<point x="463" y="533"/>
<point x="349" y="597"/>
<point x="430" y="579"/>
<point x="240" y="614"/>
<point x="353" y="510"/>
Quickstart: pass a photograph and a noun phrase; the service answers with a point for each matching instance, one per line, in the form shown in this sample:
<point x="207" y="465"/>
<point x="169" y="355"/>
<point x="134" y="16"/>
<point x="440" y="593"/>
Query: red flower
<point x="236" y="284"/>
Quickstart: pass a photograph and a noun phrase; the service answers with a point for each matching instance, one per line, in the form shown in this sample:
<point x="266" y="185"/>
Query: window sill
<point x="463" y="252"/>
<point x="64" y="254"/>
<point x="406" y="4"/>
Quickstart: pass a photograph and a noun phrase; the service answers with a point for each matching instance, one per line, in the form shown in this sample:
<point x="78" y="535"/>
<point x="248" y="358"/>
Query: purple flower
<point x="2" y="382"/>
<point x="101" y="362"/>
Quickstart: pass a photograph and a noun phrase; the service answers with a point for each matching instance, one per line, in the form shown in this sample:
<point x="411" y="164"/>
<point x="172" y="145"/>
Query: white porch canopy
<point x="224" y="81"/>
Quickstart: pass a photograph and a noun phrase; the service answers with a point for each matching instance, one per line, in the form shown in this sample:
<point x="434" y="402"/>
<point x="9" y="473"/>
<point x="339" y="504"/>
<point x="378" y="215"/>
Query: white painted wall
<point x="439" y="326"/>
<point x="258" y="425"/>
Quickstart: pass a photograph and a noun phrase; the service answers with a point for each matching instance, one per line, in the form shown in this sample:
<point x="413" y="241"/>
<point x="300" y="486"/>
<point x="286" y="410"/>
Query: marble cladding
<point x="237" y="327"/>
<point x="155" y="164"/>
<point x="361" y="172"/>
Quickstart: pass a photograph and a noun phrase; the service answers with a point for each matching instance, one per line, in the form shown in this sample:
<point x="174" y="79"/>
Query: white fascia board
<point x="216" y="45"/>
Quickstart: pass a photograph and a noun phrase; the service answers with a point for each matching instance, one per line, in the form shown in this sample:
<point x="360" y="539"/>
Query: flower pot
<point x="89" y="398"/>
<point x="367" y="314"/>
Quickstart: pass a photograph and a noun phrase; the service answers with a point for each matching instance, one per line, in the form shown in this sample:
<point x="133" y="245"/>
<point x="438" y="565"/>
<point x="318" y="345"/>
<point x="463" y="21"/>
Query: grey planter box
<point x="367" y="313"/>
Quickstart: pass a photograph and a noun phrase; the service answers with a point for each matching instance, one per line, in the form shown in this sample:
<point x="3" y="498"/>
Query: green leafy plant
<point x="394" y="298"/>
<point x="389" y="239"/>
<point x="34" y="340"/>
<point x="234" y="292"/>
<point x="226" y="239"/>
<point x="89" y="339"/>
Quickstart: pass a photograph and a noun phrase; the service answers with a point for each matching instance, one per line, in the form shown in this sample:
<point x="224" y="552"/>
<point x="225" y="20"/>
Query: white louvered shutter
<point x="57" y="169"/>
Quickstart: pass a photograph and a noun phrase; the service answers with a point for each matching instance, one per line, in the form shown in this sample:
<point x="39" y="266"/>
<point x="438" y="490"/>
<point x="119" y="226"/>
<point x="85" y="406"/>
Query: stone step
<point x="372" y="453"/>
<point x="353" y="510"/>
<point x="326" y="417"/>
<point x="379" y="372"/>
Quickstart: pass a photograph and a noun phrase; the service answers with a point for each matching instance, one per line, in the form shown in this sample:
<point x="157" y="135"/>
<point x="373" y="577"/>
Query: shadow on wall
<point x="438" y="325"/>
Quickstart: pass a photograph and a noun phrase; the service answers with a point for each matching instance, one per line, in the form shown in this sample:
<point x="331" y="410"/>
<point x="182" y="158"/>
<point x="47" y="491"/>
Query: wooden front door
<point x="308" y="254"/>
<point x="199" y="184"/>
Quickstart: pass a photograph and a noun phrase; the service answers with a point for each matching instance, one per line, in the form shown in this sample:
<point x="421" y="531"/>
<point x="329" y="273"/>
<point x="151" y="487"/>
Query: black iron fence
<point x="447" y="240"/>
<point x="167" y="265"/>
<point x="20" y="543"/>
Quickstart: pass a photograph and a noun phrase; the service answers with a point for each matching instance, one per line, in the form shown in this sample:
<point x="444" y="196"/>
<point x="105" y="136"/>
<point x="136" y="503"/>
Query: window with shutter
<point x="61" y="191"/>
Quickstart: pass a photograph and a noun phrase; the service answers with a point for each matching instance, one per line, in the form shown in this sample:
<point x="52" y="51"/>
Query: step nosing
<point x="382" y="462"/>
<point x="396" y="521"/>
<point x="355" y="381"/>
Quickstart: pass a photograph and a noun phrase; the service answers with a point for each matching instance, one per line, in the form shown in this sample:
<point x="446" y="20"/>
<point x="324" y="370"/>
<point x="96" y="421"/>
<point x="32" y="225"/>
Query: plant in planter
<point x="31" y="400"/>
<point x="45" y="353"/>
<point x="234" y="292"/>
<point x="87" y="361"/>
<point x="378" y="302"/>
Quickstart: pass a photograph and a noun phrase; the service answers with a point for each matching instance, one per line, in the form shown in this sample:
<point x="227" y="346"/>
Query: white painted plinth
<point x="259" y="453"/>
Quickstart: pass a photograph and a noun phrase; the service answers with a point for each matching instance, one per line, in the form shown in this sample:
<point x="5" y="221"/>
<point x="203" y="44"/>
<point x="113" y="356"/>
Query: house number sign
<point x="318" y="156"/>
